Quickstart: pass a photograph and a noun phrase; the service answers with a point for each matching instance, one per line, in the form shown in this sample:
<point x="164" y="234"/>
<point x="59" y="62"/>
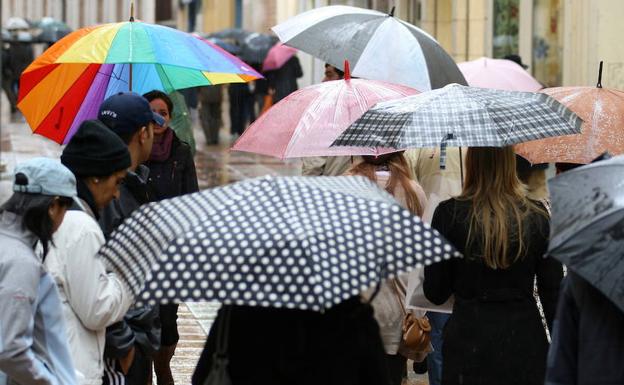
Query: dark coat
<point x="588" y="338"/>
<point x="173" y="177"/>
<point x="176" y="175"/>
<point x="495" y="334"/>
<point x="268" y="346"/>
<point x="284" y="79"/>
<point x="140" y="327"/>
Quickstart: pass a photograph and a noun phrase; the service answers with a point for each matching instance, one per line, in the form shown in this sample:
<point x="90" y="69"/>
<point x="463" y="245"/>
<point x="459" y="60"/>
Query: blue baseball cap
<point x="126" y="112"/>
<point x="45" y="176"/>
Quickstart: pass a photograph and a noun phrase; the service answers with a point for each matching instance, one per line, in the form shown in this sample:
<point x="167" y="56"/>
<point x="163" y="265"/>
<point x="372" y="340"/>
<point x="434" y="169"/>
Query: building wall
<point x="79" y="13"/>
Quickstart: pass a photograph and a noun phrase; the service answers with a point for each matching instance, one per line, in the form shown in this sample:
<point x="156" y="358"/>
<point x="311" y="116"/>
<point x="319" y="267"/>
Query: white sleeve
<point x="98" y="298"/>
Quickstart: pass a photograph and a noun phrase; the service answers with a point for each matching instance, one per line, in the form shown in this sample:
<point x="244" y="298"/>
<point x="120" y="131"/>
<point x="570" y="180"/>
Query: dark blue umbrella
<point x="52" y="30"/>
<point x="290" y="242"/>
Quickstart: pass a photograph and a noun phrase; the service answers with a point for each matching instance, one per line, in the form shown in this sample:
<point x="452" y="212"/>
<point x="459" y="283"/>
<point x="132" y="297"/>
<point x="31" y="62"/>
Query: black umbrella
<point x="52" y="30"/>
<point x="289" y="242"/>
<point x="231" y="48"/>
<point x="256" y="46"/>
<point x="587" y="225"/>
<point x="236" y="34"/>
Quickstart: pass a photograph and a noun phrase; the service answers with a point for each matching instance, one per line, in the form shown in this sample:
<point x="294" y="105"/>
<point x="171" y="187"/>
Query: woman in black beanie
<point x="92" y="298"/>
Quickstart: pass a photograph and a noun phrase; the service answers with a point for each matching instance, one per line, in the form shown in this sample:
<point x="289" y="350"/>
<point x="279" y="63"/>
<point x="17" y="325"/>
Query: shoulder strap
<point x="399" y="291"/>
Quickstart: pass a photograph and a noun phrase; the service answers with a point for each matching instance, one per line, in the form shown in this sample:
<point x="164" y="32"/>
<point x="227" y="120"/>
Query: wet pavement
<point x="216" y="165"/>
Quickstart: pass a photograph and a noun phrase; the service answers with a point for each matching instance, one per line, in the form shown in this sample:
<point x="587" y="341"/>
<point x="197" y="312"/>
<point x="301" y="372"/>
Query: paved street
<point x="215" y="166"/>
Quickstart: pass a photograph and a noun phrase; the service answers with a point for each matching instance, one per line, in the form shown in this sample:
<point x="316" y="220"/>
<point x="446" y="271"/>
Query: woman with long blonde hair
<point x="391" y="173"/>
<point x="495" y="334"/>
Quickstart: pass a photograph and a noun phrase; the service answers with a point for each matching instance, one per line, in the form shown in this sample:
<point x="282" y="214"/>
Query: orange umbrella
<point x="602" y="111"/>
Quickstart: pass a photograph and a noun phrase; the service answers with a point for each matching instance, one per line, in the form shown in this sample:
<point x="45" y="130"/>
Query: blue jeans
<point x="434" y="359"/>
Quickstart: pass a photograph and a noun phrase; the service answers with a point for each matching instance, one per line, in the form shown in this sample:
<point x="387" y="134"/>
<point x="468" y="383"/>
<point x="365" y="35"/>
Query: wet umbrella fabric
<point x="587" y="224"/>
<point x="499" y="74"/>
<point x="461" y="116"/>
<point x="278" y="55"/>
<point x="236" y="34"/>
<point x="602" y="111"/>
<point x="378" y="46"/>
<point x="255" y="47"/>
<point x="306" y="122"/>
<point x="289" y="242"/>
<point x="52" y="30"/>
<point x="66" y="84"/>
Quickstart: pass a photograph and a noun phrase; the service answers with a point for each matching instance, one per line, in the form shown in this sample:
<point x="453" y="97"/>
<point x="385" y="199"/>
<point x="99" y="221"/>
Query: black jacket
<point x="140" y="326"/>
<point x="588" y="338"/>
<point x="495" y="333"/>
<point x="176" y="175"/>
<point x="269" y="346"/>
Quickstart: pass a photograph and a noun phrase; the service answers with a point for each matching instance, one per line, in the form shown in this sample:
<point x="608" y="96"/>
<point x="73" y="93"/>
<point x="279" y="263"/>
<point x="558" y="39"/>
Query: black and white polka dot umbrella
<point x="294" y="242"/>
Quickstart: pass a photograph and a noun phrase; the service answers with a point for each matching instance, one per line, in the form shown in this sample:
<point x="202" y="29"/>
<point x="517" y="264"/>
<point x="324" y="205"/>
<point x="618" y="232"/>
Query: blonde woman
<point x="391" y="172"/>
<point x="495" y="334"/>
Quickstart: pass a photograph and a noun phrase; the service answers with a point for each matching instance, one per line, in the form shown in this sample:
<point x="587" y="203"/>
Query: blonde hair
<point x="399" y="174"/>
<point x="499" y="204"/>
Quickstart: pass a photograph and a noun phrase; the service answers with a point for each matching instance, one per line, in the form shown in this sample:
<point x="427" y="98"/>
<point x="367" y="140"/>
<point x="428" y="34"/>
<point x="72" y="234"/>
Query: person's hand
<point x="271" y="91"/>
<point x="126" y="362"/>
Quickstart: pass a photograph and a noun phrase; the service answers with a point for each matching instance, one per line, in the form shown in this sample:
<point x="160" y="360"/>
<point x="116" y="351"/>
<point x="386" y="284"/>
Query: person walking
<point x="172" y="173"/>
<point x="439" y="185"/>
<point x="289" y="346"/>
<point x="283" y="81"/>
<point x="33" y="338"/>
<point x="131" y="342"/>
<point x="391" y="173"/>
<point x="210" y="99"/>
<point x="495" y="333"/>
<point x="92" y="298"/>
<point x="588" y="337"/>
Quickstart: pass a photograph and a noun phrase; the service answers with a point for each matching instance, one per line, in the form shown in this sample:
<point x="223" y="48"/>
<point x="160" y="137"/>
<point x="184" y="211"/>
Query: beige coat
<point x="388" y="312"/>
<point x="327" y="165"/>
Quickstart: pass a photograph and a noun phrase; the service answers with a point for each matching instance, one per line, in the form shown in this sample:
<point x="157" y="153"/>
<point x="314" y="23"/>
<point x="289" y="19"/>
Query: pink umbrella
<point x="307" y="122"/>
<point x="498" y="74"/>
<point x="278" y="56"/>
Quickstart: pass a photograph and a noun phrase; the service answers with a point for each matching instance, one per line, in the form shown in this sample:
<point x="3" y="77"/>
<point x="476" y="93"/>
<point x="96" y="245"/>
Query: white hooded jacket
<point x="92" y="298"/>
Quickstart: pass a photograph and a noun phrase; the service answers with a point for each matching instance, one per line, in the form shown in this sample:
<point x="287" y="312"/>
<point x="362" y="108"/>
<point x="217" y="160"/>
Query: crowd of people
<point x="68" y="320"/>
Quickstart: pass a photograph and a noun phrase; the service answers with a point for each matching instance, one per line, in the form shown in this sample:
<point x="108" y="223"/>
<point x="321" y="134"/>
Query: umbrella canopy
<point x="67" y="83"/>
<point x="293" y="242"/>
<point x="278" y="55"/>
<point x="236" y="34"/>
<point x="255" y="47"/>
<point x="499" y="74"/>
<point x="602" y="111"/>
<point x="231" y="48"/>
<point x="306" y="122"/>
<point x="587" y="224"/>
<point x="461" y="116"/>
<point x="378" y="46"/>
<point x="51" y="30"/>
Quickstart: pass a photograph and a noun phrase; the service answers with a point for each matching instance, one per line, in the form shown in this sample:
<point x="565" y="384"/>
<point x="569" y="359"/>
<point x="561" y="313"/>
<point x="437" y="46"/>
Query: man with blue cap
<point x="130" y="342"/>
<point x="33" y="338"/>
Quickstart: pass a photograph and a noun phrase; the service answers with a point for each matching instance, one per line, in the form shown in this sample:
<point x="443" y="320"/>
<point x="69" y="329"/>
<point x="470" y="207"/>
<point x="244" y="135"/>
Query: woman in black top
<point x="172" y="173"/>
<point x="495" y="334"/>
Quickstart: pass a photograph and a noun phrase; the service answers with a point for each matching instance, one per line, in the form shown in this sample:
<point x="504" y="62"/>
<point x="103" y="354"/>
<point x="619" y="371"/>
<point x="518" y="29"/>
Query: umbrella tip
<point x="347" y="70"/>
<point x="599" y="85"/>
<point x="391" y="14"/>
<point x="132" y="10"/>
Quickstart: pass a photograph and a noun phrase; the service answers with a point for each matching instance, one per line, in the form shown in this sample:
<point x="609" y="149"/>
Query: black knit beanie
<point x="95" y="150"/>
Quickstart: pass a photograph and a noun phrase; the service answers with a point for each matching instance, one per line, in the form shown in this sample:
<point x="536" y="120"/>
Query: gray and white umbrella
<point x="293" y="242"/>
<point x="587" y="224"/>
<point x="463" y="116"/>
<point x="378" y="46"/>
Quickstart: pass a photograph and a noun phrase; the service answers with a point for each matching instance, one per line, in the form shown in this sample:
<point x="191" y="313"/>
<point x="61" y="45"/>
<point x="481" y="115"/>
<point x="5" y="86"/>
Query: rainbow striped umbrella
<point x="67" y="83"/>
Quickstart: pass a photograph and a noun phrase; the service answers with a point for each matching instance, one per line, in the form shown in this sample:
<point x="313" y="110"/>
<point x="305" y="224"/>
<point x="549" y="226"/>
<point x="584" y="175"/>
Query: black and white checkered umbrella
<point x="379" y="46"/>
<point x="461" y="116"/>
<point x="294" y="242"/>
